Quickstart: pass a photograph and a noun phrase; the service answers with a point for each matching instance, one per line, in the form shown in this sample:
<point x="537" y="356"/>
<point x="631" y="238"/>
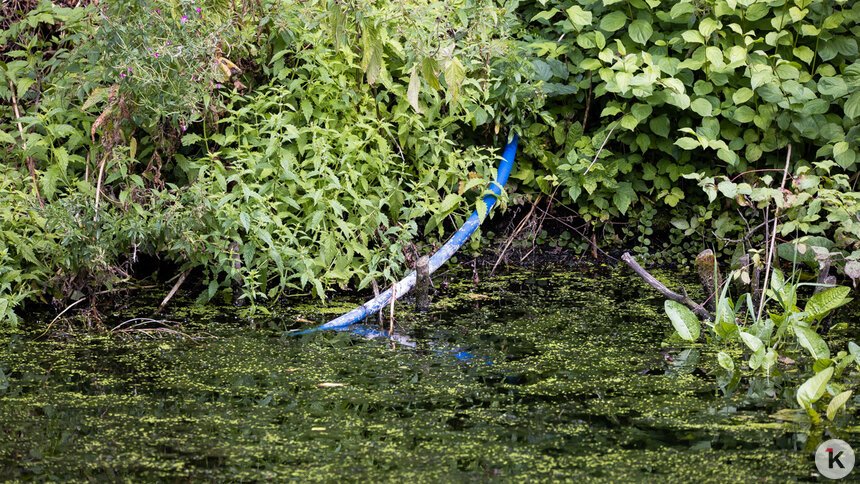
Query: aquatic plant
<point x="789" y="335"/>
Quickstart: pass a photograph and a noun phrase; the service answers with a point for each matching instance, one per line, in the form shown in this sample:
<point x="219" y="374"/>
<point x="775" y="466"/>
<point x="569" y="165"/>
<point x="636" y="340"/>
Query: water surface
<point x="532" y="376"/>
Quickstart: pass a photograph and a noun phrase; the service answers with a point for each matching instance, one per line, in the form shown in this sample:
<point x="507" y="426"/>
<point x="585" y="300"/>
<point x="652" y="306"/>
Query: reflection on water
<point x="556" y="376"/>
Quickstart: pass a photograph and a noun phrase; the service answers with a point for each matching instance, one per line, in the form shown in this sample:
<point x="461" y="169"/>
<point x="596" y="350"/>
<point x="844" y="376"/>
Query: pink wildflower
<point x="184" y="19"/>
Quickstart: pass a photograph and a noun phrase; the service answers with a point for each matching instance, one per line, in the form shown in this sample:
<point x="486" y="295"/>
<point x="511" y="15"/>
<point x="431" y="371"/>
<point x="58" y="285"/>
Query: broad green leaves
<point x="813" y="389"/>
<point x="613" y="21"/>
<point x="624" y="196"/>
<point x="813" y="343"/>
<point x="756" y="346"/>
<point x="837" y="403"/>
<point x="428" y="70"/>
<point x="822" y="303"/>
<point x="742" y="95"/>
<point x="371" y="61"/>
<point x="455" y="73"/>
<point x="683" y="320"/>
<point x="580" y="18"/>
<point x="725" y="361"/>
<point x="701" y="107"/>
<point x="716" y="97"/>
<point x="832" y="86"/>
<point x="852" y="105"/>
<point x="4" y="308"/>
<point x="640" y="31"/>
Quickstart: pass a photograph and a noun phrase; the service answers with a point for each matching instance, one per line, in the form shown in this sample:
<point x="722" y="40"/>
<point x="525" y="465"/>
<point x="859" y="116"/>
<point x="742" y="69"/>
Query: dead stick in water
<point x="665" y="291"/>
<point x="173" y="291"/>
<point x="422" y="283"/>
<point x="376" y="294"/>
<point x="391" y="316"/>
<point x="519" y="228"/>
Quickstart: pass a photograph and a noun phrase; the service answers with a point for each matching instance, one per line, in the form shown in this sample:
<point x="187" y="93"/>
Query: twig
<point x="604" y="143"/>
<point x="527" y="254"/>
<point x="391" y="315"/>
<point x="665" y="291"/>
<point x="172" y="291"/>
<point x="376" y="294"/>
<point x="99" y="185"/>
<point x="516" y="232"/>
<point x="141" y="322"/>
<point x="70" y="306"/>
<point x="396" y="144"/>
<point x="770" y="248"/>
<point x="30" y="166"/>
<point x="147" y="332"/>
<point x="545" y="213"/>
<point x="587" y="100"/>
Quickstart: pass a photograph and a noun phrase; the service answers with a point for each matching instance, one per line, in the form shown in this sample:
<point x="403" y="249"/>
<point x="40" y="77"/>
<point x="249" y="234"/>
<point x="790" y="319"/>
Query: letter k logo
<point x="834" y="459"/>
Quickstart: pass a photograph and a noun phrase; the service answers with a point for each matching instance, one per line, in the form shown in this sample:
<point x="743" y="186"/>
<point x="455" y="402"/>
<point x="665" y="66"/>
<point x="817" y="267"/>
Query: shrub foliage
<point x="300" y="146"/>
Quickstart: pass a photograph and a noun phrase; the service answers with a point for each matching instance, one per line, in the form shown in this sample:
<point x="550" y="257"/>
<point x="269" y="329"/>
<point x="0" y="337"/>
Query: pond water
<point x="549" y="376"/>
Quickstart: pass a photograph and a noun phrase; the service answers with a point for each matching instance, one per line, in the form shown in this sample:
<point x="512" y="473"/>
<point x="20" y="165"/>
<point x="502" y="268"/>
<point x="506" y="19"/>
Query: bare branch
<point x="665" y="291"/>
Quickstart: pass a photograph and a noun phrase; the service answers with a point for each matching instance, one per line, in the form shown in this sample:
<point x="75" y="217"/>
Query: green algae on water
<point x="567" y="378"/>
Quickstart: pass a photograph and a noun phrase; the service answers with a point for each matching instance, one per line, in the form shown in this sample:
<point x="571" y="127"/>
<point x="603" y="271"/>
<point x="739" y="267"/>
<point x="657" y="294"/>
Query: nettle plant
<point x="316" y="179"/>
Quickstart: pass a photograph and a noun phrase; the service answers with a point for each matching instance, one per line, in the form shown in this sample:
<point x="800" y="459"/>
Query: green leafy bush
<point x="316" y="177"/>
<point x="718" y="88"/>
<point x="319" y="177"/>
<point x="298" y="146"/>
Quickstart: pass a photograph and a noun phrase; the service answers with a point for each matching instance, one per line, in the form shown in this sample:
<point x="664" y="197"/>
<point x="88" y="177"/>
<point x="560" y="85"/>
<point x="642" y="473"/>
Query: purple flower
<point x="156" y="54"/>
<point x="184" y="19"/>
<point x="159" y="11"/>
<point x="168" y="42"/>
<point x="199" y="9"/>
<point x="122" y="75"/>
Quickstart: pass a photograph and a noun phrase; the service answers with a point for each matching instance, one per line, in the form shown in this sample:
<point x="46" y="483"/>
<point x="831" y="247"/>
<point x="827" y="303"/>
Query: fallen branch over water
<point x="172" y="291"/>
<point x="665" y="291"/>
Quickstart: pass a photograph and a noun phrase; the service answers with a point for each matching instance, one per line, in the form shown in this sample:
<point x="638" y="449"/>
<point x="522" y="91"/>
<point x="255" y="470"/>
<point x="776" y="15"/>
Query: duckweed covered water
<point x="544" y="377"/>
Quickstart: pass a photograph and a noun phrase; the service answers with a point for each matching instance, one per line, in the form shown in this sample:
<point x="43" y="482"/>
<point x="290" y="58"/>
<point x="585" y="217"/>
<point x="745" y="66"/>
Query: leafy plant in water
<point x="787" y="332"/>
